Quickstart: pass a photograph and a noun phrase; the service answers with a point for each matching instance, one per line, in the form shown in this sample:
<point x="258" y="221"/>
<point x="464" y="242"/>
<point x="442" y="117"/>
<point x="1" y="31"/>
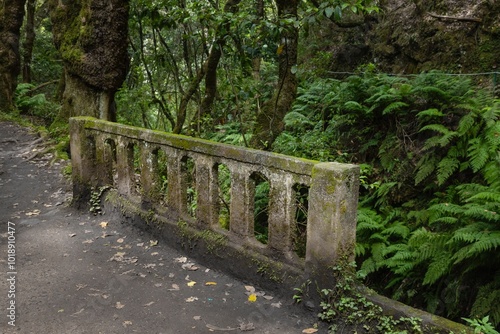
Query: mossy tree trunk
<point x="29" y="40"/>
<point x="91" y="36"/>
<point x="11" y="19"/>
<point x="269" y="122"/>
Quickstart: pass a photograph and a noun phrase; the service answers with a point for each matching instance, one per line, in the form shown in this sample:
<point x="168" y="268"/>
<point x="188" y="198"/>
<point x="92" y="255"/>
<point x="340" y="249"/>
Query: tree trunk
<point x="29" y="41"/>
<point x="11" y="19"/>
<point x="257" y="58"/>
<point x="269" y="122"/>
<point x="213" y="61"/>
<point x="91" y="36"/>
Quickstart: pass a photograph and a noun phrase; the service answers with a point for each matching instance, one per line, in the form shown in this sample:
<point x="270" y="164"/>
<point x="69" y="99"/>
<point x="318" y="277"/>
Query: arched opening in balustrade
<point x="188" y="169"/>
<point x="224" y="195"/>
<point x="162" y="175"/>
<point x="261" y="207"/>
<point x="299" y="230"/>
<point x="110" y="159"/>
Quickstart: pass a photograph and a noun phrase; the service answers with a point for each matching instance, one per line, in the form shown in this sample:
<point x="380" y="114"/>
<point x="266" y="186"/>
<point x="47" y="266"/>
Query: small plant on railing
<point x="95" y="199"/>
<point x="482" y="326"/>
<point x="343" y="306"/>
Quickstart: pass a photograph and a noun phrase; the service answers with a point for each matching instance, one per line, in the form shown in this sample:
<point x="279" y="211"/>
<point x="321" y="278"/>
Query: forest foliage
<point x="428" y="145"/>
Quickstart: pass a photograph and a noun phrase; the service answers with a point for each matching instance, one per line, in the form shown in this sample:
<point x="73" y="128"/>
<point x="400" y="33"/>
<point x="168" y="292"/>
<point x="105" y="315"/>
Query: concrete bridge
<point x="128" y="159"/>
<point x="170" y="184"/>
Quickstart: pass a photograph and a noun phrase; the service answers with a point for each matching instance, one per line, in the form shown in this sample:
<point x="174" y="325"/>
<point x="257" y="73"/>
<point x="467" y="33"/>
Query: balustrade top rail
<point x="106" y="153"/>
<point x="190" y="144"/>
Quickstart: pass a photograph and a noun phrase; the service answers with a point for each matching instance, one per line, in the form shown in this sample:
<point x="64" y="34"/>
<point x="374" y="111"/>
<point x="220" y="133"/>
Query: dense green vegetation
<point x="429" y="149"/>
<point x="428" y="145"/>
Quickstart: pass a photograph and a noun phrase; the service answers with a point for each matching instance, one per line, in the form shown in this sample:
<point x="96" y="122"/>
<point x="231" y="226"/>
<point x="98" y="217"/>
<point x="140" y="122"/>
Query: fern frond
<point x="489" y="242"/>
<point x="353" y="106"/>
<point x="398" y="229"/>
<point x="439" y="267"/>
<point x="446" y="168"/>
<point x="466" y="123"/>
<point x="487" y="302"/>
<point x="425" y="168"/>
<point x="436" y="127"/>
<point x="478" y="154"/>
<point x="394" y="106"/>
<point x="487" y="196"/>
<point x="433" y="112"/>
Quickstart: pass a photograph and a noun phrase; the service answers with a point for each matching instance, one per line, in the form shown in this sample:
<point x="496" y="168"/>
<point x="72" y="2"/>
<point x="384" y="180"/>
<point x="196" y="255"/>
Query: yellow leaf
<point x="252" y="298"/>
<point x="211" y="283"/>
<point x="104" y="224"/>
<point x="280" y="49"/>
<point x="309" y="330"/>
<point x="192" y="283"/>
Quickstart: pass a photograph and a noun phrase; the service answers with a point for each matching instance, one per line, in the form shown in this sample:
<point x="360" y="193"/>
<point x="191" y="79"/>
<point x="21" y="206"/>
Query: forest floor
<point x="78" y="273"/>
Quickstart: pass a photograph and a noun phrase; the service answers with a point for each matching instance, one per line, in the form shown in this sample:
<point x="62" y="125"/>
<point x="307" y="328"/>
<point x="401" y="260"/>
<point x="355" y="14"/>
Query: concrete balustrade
<point x="126" y="158"/>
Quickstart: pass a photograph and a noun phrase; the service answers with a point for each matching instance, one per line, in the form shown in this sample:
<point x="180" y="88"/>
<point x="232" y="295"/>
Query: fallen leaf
<point x="191" y="299"/>
<point x="277" y="305"/>
<point x="180" y="259"/>
<point x="33" y="213"/>
<point x="127" y="323"/>
<point x="119" y="305"/>
<point x="60" y="311"/>
<point x="171" y="275"/>
<point x="88" y="241"/>
<point x="189" y="266"/>
<point x="268" y="297"/>
<point x="175" y="287"/>
<point x="249" y="288"/>
<point x="149" y="304"/>
<point x="252" y="298"/>
<point x="120" y="240"/>
<point x="158" y="285"/>
<point x="72" y="235"/>
<point x="197" y="317"/>
<point x="154" y="253"/>
<point x="76" y="313"/>
<point x="103" y="224"/>
<point x="211" y="283"/>
<point x="153" y="243"/>
<point x="246" y="327"/>
<point x="191" y="284"/>
<point x="309" y="330"/>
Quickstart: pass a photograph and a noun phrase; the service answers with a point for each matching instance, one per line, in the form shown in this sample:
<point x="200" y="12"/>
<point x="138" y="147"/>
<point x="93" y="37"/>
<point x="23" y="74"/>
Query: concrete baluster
<point x="281" y="213"/>
<point x="82" y="160"/>
<point x="207" y="190"/>
<point x="331" y="223"/>
<point x="125" y="166"/>
<point x="176" y="184"/>
<point x="242" y="202"/>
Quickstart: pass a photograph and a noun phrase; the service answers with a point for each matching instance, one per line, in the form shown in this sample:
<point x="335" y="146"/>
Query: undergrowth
<point x="429" y="149"/>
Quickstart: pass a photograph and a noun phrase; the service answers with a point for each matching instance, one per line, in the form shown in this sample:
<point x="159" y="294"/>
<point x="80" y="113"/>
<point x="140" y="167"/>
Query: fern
<point x="446" y="168"/>
<point x="438" y="268"/>
<point x="394" y="106"/>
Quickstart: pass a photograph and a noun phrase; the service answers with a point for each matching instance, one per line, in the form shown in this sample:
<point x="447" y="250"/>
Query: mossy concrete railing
<point x="128" y="160"/>
<point x="102" y="153"/>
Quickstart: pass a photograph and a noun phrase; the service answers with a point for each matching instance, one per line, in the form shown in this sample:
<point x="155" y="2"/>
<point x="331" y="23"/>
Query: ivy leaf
<point x="329" y="11"/>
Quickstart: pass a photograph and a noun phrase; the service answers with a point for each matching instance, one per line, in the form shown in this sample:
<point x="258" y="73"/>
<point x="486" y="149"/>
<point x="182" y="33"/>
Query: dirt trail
<point x="78" y="273"/>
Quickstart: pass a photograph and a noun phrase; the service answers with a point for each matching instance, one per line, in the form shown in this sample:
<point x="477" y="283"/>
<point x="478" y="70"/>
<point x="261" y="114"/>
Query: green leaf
<point x="329" y="11"/>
